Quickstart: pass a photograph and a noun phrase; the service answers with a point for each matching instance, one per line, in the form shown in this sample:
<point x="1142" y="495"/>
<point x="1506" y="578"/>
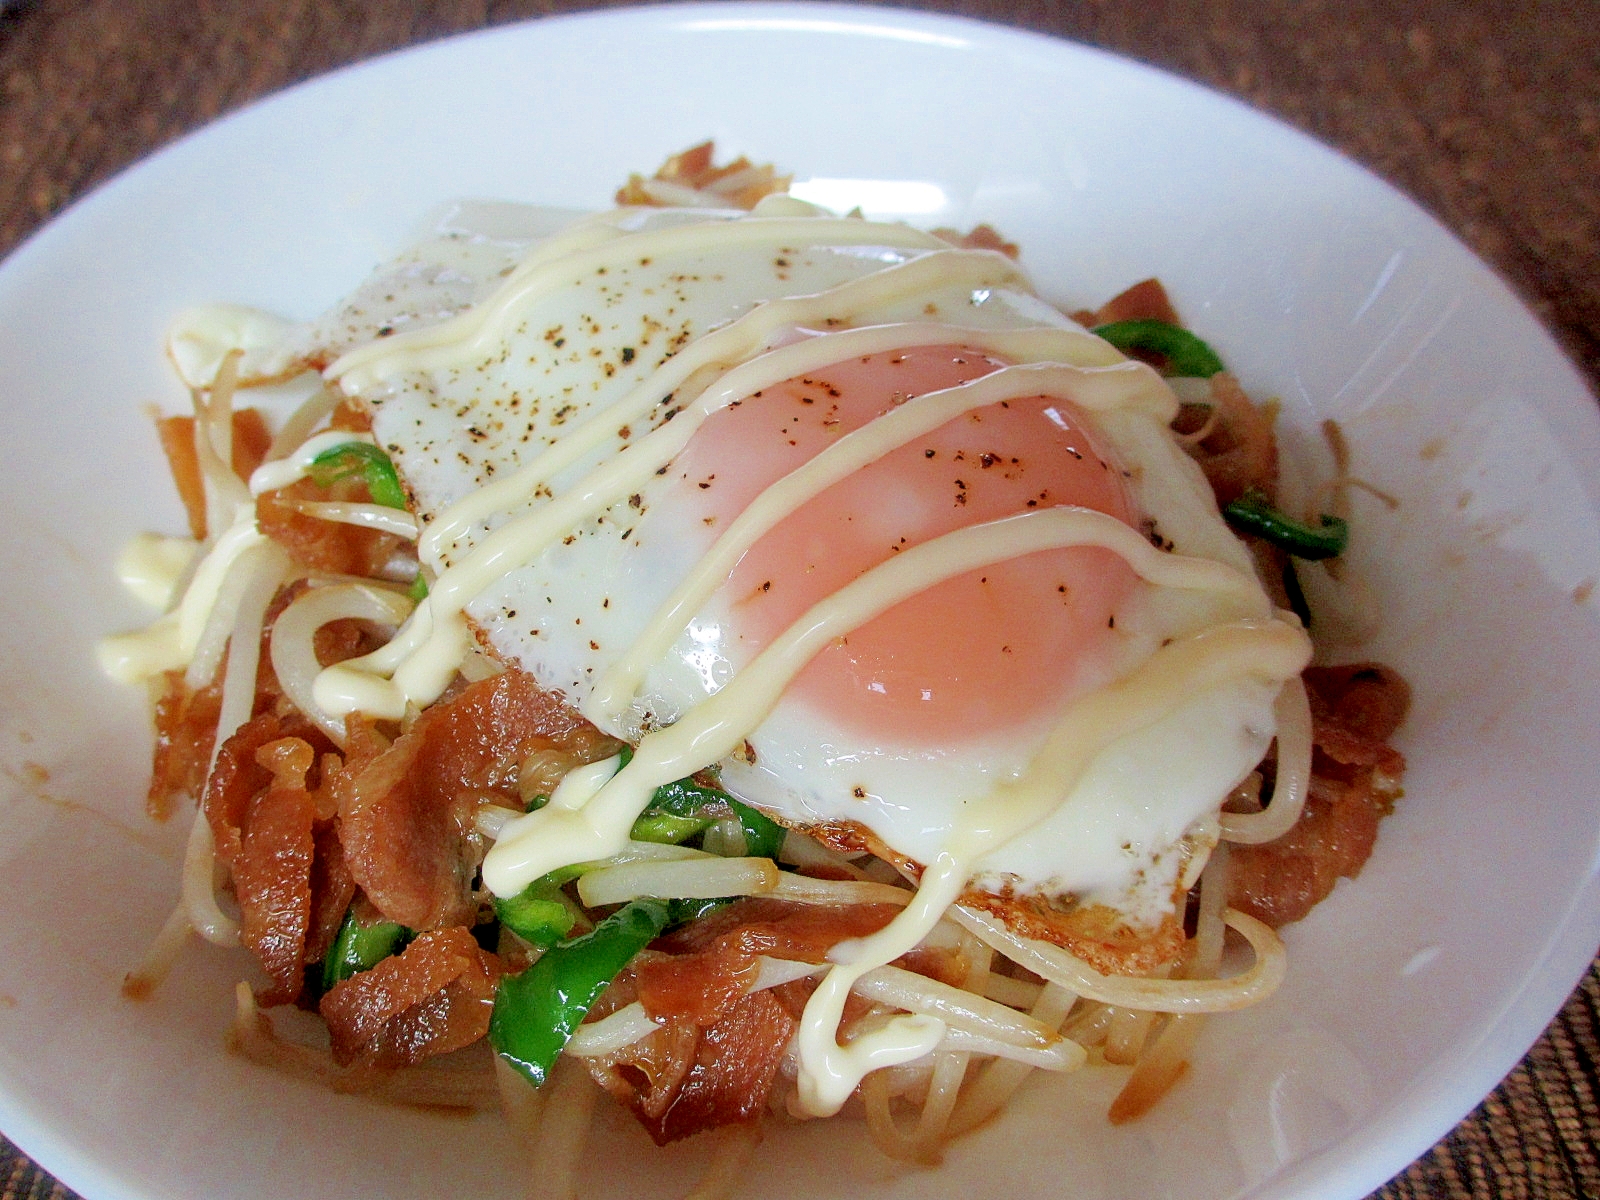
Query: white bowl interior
<point x="1411" y="990"/>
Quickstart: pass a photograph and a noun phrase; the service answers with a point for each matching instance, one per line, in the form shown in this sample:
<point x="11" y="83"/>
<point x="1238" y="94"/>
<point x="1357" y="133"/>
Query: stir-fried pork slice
<point x="715" y="1058"/>
<point x="238" y="776"/>
<point x="1355" y="777"/>
<point x="272" y="869"/>
<point x="709" y="964"/>
<point x="186" y="728"/>
<point x="406" y="809"/>
<point x="434" y="997"/>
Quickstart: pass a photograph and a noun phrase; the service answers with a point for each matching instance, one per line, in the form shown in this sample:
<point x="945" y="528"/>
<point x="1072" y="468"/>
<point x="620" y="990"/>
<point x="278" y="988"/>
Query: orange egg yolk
<point x="973" y="654"/>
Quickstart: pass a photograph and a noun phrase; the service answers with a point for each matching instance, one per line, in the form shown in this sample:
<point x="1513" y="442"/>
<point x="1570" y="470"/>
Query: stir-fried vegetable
<point x="536" y="1012"/>
<point x="687" y="800"/>
<point x="667" y="828"/>
<point x="537" y="914"/>
<point x="677" y="812"/>
<point x="1253" y="513"/>
<point x="359" y="947"/>
<point x="360" y="458"/>
<point x="1184" y="354"/>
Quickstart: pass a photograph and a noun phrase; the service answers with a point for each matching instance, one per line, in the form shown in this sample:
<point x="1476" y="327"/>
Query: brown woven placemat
<point x="1486" y="111"/>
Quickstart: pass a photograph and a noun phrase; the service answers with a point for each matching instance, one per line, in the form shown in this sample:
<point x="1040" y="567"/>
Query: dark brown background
<point x="1486" y="111"/>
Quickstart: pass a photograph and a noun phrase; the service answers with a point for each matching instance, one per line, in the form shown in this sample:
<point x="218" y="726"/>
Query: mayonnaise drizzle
<point x="467" y="336"/>
<point x="170" y="641"/>
<point x="419" y="663"/>
<point x="829" y="1072"/>
<point x="295" y="466"/>
<point x="151" y="566"/>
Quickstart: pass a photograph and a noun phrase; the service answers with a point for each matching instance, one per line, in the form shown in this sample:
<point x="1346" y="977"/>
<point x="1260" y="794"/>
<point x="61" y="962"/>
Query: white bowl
<point x="1412" y="990"/>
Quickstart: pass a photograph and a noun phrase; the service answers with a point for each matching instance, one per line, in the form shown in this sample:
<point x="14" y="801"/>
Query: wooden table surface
<point x="1485" y="111"/>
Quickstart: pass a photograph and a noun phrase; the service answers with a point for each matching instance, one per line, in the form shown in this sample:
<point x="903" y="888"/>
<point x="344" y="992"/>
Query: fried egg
<point x="835" y="508"/>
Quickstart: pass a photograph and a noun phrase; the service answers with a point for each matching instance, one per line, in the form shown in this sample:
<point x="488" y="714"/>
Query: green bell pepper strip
<point x="357" y="947"/>
<point x="676" y="813"/>
<point x="1185" y="354"/>
<point x="667" y="828"/>
<point x="536" y="914"/>
<point x="536" y="1011"/>
<point x="1253" y="513"/>
<point x="763" y="837"/>
<point x="350" y="458"/>
<point x="684" y="798"/>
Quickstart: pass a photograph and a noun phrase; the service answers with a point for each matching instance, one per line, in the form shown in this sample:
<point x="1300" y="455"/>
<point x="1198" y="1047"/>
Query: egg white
<point x="557" y="358"/>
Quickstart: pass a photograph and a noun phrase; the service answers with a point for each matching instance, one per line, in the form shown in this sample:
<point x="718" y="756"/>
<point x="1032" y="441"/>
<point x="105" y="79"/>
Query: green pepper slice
<point x="677" y="812"/>
<point x="536" y="914"/>
<point x="1185" y="354"/>
<point x="667" y="828"/>
<point x="357" y="947"/>
<point x="360" y="458"/>
<point x="536" y="1011"/>
<point x="1253" y="513"/>
<point x="763" y="837"/>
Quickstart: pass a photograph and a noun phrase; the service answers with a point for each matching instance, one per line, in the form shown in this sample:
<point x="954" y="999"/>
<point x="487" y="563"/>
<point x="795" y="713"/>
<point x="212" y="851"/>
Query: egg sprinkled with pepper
<point x="840" y="511"/>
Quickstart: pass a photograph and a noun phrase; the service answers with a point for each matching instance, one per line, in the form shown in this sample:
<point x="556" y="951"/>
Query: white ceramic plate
<point x="1412" y="991"/>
